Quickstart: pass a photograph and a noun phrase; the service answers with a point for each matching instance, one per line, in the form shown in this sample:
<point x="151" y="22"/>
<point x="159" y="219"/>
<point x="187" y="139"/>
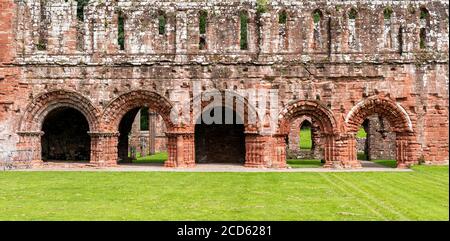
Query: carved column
<point x="253" y="151"/>
<point x="340" y="151"/>
<point x="181" y="150"/>
<point x="104" y="148"/>
<point x="279" y="145"/>
<point x="30" y="144"/>
<point x="329" y="152"/>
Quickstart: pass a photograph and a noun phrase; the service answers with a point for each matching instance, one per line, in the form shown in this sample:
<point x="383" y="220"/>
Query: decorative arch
<point x="406" y="145"/>
<point x="392" y="111"/>
<point x="118" y="107"/>
<point x="317" y="111"/>
<point x="38" y="109"/>
<point x="249" y="114"/>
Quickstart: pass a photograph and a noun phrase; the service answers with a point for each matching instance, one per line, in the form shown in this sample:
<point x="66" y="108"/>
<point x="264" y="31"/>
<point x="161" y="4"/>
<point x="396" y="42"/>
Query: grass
<point x="388" y="163"/>
<point x="294" y="163"/>
<point x="157" y="158"/>
<point x="362" y="156"/>
<point x="419" y="195"/>
<point x="304" y="163"/>
<point x="361" y="134"/>
<point x="305" y="139"/>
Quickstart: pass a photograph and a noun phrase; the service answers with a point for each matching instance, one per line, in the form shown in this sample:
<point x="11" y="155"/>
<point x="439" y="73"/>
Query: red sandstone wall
<point x="341" y="76"/>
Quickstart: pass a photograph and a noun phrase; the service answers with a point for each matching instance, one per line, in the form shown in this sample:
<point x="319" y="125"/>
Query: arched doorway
<point x="396" y="123"/>
<point x="324" y="123"/>
<point x="117" y="123"/>
<point x="220" y="140"/>
<point x="65" y="136"/>
<point x="52" y="124"/>
<point x="142" y="138"/>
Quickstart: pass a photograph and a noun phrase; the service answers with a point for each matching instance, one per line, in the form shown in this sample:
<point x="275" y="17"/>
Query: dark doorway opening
<point x="220" y="142"/>
<point x="65" y="136"/>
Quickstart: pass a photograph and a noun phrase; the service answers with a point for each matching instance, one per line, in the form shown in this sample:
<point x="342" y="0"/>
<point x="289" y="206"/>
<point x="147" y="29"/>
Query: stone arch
<point x="406" y="146"/>
<point x="319" y="114"/>
<point x="394" y="112"/>
<point x="314" y="109"/>
<point x="249" y="114"/>
<point x="37" y="110"/>
<point x="106" y="141"/>
<point x="118" y="107"/>
<point x="31" y="123"/>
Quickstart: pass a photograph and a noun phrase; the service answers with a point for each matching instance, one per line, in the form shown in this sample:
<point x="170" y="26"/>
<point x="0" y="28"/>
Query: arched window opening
<point x="387" y="27"/>
<point x="43" y="27"/>
<point x="244" y="30"/>
<point x="317" y="29"/>
<point x="121" y="31"/>
<point x="80" y="23"/>
<point x="400" y="40"/>
<point x="306" y="142"/>
<point x="424" y="27"/>
<point x="162" y="21"/>
<point x="352" y="16"/>
<point x="282" y="21"/>
<point x="202" y="22"/>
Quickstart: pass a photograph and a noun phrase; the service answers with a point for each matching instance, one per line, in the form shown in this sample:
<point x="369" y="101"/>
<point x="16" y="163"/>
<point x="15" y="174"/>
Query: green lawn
<point x="388" y="163"/>
<point x="305" y="139"/>
<point x="304" y="163"/>
<point x="419" y="195"/>
<point x="157" y="158"/>
<point x="361" y="133"/>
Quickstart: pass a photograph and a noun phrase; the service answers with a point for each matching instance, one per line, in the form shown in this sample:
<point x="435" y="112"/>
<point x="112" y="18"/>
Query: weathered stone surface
<point x="341" y="70"/>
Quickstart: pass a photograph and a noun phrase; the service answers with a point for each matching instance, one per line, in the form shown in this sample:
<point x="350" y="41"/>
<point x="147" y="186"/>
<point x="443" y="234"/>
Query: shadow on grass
<point x="304" y="163"/>
<point x="387" y="163"/>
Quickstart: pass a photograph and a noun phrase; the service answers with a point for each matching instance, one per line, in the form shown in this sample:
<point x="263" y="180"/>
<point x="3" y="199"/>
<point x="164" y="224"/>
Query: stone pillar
<point x="151" y="133"/>
<point x="181" y="150"/>
<point x="265" y="151"/>
<point x="30" y="143"/>
<point x="254" y="150"/>
<point x="279" y="152"/>
<point x="406" y="150"/>
<point x="340" y="151"/>
<point x="104" y="148"/>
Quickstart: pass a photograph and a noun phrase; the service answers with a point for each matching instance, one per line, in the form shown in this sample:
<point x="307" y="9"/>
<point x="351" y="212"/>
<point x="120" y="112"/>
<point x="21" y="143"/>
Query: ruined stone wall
<point x="381" y="140"/>
<point x="337" y="61"/>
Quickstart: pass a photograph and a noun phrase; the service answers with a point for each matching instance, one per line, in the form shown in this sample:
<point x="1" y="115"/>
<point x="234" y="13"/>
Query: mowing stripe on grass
<point x="345" y="191"/>
<point x="367" y="195"/>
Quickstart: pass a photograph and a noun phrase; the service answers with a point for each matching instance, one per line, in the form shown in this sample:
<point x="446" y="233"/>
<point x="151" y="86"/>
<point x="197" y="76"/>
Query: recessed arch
<point x="229" y="99"/>
<point x="314" y="109"/>
<point x="394" y="112"/>
<point x="44" y="103"/>
<point x="118" y="107"/>
<point x="399" y="122"/>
